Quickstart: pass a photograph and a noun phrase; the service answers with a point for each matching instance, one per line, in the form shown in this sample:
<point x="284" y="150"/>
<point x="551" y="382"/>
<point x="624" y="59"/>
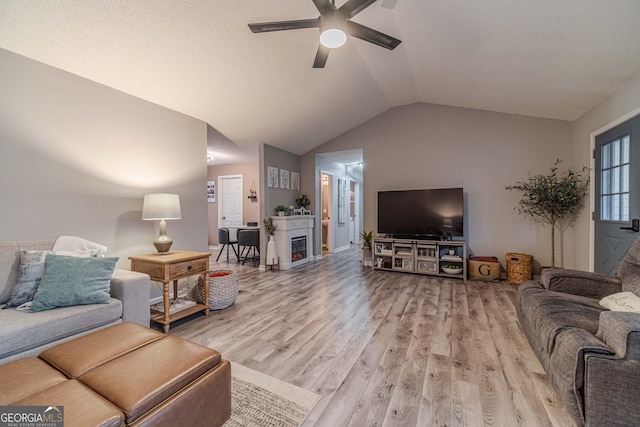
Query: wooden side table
<point x="171" y="267"/>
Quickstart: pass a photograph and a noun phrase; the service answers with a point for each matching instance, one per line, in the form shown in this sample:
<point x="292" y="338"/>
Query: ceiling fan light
<point x="333" y="38"/>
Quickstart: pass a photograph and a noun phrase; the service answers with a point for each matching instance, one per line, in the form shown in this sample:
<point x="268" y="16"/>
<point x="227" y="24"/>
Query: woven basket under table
<point x="519" y="268"/>
<point x="223" y="288"/>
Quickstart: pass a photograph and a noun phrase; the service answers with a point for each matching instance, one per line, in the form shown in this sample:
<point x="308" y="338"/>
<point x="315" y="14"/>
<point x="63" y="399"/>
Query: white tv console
<point x="421" y="256"/>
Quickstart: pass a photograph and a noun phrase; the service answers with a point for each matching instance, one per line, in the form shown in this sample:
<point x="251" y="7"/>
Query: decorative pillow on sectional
<point x="71" y="281"/>
<point x="30" y="273"/>
<point x="622" y="301"/>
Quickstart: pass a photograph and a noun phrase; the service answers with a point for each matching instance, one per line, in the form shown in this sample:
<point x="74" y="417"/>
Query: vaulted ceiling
<point x="544" y="58"/>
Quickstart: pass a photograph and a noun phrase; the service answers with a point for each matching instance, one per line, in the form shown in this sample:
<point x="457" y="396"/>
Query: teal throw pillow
<point x="30" y="273"/>
<point x="71" y="281"/>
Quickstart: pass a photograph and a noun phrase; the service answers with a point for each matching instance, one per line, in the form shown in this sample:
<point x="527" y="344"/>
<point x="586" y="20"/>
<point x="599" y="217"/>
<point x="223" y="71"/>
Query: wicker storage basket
<point x="519" y="267"/>
<point x="223" y="288"/>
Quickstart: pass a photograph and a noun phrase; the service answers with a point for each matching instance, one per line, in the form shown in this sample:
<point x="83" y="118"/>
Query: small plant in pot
<point x="281" y="210"/>
<point x="367" y="237"/>
<point x="553" y="199"/>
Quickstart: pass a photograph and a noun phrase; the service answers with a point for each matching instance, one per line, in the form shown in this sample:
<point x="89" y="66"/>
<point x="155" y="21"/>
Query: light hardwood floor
<point x="384" y="348"/>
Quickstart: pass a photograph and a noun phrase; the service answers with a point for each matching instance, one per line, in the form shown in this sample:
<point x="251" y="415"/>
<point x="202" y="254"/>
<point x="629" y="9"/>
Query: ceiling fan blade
<point x="263" y="27"/>
<point x="353" y="7"/>
<point x="372" y="36"/>
<point x="323" y="6"/>
<point x="321" y="56"/>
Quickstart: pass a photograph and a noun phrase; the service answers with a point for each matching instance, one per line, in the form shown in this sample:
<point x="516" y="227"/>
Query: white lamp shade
<point x="333" y="38"/>
<point x="161" y="206"/>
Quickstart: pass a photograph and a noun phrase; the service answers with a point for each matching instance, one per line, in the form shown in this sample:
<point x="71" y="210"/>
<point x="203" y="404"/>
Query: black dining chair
<point x="225" y="240"/>
<point x="249" y="240"/>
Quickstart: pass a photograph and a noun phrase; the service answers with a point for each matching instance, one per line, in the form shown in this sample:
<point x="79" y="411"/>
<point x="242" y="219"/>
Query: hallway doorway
<point x="327" y="197"/>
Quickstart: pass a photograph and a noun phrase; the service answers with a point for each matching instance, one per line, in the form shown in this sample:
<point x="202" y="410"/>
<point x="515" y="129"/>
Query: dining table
<point x="233" y="229"/>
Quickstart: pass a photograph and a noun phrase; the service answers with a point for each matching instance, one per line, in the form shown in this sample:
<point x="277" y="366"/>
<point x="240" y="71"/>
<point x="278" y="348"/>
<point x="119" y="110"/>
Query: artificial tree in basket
<point x="551" y="198"/>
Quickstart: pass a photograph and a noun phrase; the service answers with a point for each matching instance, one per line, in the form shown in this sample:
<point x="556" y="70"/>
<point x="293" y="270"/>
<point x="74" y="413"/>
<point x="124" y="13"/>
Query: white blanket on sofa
<point x="73" y="243"/>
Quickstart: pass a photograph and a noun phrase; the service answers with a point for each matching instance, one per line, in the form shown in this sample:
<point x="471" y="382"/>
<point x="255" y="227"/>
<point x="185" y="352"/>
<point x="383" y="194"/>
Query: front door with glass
<point x="617" y="207"/>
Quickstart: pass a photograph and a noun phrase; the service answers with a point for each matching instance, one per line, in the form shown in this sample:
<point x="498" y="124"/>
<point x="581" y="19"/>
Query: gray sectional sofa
<point x="591" y="354"/>
<point x="26" y="333"/>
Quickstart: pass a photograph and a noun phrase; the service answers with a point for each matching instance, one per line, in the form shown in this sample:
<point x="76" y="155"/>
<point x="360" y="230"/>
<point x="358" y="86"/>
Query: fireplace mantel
<point x="291" y="227"/>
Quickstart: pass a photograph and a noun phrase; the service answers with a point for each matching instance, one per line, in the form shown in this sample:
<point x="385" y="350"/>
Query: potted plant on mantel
<point x="281" y="210"/>
<point x="303" y="201"/>
<point x="552" y="198"/>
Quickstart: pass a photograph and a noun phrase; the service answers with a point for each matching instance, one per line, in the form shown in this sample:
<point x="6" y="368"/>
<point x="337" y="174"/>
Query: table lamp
<point x="161" y="207"/>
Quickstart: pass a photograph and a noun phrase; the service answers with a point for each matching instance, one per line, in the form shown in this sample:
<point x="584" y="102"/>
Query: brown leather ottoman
<point x="124" y="375"/>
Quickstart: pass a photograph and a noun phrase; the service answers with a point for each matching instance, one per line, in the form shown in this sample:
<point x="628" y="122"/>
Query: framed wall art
<point x="295" y="181"/>
<point x="211" y="191"/>
<point x="284" y="179"/>
<point x="272" y="177"/>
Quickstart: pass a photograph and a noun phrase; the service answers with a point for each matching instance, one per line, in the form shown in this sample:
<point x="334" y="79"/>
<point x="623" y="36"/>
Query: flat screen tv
<point x="434" y="214"/>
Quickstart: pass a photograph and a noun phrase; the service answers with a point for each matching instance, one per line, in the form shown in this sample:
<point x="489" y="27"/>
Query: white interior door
<point x="230" y="209"/>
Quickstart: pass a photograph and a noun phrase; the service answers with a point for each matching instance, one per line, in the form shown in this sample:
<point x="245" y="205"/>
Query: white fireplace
<point x="294" y="239"/>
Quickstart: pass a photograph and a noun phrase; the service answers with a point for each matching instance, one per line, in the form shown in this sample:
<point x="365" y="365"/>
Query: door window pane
<point x="606" y="158"/>
<point x="615" y="207"/>
<point x="605" y="208"/>
<point x="624" y="206"/>
<point x="625" y="149"/>
<point x="606" y="182"/>
<point x="614" y="180"/>
<point x="624" y="178"/>
<point x="615" y="152"/>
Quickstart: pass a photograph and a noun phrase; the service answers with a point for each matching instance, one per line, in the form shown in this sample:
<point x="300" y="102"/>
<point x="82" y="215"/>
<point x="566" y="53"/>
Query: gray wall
<point x="431" y="146"/>
<point x="281" y="159"/>
<point x="272" y="197"/>
<point x="626" y="101"/>
<point x="78" y="157"/>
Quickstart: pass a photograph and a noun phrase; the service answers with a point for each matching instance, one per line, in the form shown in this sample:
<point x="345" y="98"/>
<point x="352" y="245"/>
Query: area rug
<point x="262" y="401"/>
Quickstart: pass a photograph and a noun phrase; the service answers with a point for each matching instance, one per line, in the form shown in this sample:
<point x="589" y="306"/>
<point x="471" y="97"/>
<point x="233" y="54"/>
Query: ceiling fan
<point x="334" y="25"/>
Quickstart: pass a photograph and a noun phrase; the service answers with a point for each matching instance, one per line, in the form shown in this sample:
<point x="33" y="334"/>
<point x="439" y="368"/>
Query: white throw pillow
<point x="622" y="301"/>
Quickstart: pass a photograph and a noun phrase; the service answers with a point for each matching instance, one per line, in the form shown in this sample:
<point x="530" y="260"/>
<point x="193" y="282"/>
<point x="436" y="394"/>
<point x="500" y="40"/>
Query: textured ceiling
<point x="545" y="58"/>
